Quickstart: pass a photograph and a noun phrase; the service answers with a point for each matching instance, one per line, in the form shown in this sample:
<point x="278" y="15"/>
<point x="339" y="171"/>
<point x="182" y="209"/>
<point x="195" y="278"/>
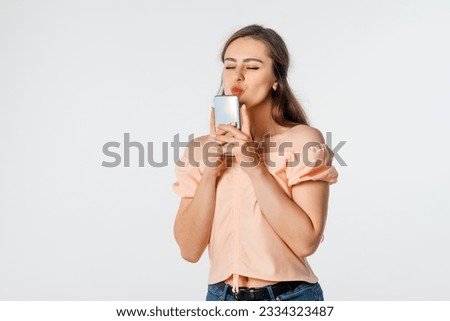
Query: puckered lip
<point x="236" y="90"/>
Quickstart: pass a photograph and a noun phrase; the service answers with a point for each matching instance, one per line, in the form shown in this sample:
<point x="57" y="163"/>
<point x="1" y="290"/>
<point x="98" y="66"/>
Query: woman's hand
<point x="240" y="143"/>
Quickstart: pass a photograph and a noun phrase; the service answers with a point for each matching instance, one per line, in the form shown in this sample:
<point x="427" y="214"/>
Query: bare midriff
<point x="249" y="282"/>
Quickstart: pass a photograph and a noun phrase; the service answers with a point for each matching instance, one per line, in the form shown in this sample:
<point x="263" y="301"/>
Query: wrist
<point x="256" y="170"/>
<point x="210" y="173"/>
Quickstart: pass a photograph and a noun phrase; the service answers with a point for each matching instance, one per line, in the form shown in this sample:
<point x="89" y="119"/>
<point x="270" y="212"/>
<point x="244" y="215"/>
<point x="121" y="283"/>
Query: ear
<point x="275" y="86"/>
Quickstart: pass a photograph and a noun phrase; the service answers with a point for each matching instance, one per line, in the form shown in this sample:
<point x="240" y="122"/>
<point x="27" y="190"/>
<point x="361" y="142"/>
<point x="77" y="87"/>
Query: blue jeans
<point x="304" y="292"/>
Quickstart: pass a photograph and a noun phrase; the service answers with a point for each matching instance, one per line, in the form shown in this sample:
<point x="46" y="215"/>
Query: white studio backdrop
<point x="75" y="75"/>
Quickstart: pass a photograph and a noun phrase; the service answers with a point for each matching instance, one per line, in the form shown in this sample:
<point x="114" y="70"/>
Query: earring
<point x="275" y="85"/>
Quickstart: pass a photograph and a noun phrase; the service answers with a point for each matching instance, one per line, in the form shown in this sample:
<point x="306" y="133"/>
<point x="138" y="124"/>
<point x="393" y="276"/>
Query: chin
<point x="242" y="100"/>
<point x="248" y="104"/>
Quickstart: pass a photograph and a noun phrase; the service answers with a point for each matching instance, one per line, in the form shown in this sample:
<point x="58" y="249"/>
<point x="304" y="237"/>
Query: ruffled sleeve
<point x="188" y="175"/>
<point x="312" y="164"/>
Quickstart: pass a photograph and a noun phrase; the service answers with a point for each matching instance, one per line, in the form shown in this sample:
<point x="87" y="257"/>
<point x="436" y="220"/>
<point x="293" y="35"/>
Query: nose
<point x="239" y="74"/>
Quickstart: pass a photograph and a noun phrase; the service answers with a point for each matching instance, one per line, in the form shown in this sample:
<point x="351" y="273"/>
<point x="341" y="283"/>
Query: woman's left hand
<point x="240" y="143"/>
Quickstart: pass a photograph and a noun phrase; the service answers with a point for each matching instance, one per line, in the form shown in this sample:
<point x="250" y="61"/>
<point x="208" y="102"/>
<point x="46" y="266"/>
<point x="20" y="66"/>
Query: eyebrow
<point x="245" y="60"/>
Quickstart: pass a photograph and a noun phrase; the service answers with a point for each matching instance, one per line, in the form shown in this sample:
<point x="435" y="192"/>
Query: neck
<point x="261" y="121"/>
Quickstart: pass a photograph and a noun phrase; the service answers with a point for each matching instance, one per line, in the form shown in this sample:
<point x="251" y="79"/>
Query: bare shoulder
<point x="301" y="135"/>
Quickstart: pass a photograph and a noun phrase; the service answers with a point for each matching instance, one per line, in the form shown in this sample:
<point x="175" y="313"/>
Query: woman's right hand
<point x="213" y="155"/>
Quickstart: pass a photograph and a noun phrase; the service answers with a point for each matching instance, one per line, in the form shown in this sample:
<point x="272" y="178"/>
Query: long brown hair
<point x="287" y="110"/>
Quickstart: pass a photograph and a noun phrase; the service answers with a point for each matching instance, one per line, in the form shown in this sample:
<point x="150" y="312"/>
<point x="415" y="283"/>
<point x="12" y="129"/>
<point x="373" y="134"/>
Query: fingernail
<point x="233" y="123"/>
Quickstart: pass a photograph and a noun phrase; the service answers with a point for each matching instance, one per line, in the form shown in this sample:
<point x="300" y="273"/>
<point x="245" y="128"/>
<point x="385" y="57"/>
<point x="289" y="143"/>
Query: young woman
<point x="262" y="211"/>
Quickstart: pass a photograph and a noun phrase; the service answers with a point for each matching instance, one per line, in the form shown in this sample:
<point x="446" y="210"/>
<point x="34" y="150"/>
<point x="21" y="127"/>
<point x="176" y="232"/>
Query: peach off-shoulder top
<point x="242" y="241"/>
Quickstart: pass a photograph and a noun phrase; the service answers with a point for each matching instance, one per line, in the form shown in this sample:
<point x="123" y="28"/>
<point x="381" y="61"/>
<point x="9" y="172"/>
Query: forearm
<point x="193" y="224"/>
<point x="288" y="219"/>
